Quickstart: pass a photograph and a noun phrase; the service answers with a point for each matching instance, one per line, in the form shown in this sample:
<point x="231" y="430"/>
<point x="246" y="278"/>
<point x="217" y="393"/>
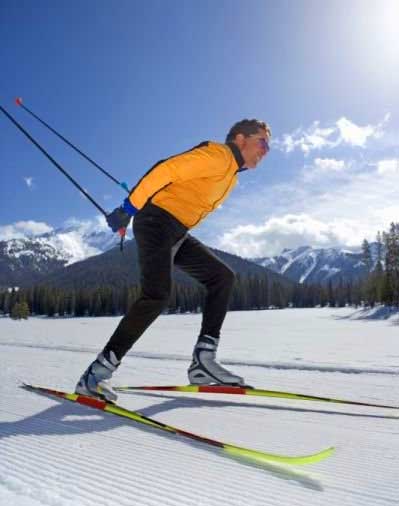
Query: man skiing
<point x="171" y="198"/>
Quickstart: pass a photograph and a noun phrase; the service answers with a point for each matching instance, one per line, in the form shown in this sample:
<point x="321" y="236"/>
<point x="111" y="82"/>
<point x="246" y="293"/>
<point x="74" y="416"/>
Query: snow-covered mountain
<point x="311" y="265"/>
<point x="49" y="257"/>
<point x="25" y="260"/>
<point x="79" y="242"/>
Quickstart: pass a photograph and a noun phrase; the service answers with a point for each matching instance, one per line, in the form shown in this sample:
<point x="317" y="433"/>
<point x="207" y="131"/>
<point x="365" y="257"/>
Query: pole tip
<point x="18" y="101"/>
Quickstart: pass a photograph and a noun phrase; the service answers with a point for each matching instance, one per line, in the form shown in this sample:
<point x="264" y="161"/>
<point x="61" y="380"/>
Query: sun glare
<point x="387" y="29"/>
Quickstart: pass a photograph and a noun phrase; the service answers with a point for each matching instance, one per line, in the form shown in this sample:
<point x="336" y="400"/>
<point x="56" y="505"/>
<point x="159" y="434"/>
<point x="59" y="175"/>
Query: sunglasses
<point x="264" y="143"/>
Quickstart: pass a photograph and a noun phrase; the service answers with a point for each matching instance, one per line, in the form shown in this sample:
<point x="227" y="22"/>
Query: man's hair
<point x="247" y="127"/>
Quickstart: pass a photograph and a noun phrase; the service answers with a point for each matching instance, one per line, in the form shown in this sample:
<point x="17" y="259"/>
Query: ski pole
<point x="18" y="101"/>
<point x="59" y="167"/>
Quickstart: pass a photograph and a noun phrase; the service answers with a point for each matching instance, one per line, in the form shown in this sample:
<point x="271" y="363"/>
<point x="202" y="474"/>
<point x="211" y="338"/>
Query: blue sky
<point x="132" y="82"/>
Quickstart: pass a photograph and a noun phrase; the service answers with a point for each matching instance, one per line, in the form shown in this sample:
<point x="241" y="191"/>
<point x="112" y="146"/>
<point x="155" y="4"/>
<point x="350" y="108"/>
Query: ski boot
<point x="204" y="370"/>
<point x="94" y="382"/>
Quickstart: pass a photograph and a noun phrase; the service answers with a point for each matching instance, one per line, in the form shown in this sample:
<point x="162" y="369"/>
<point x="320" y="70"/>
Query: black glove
<point x="118" y="219"/>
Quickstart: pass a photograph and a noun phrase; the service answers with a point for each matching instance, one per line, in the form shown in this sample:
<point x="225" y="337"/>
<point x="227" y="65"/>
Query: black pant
<point x="163" y="241"/>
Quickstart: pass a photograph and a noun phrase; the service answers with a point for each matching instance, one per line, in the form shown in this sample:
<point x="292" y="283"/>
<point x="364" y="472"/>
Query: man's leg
<point x="198" y="261"/>
<point x="154" y="249"/>
<point x="156" y="243"/>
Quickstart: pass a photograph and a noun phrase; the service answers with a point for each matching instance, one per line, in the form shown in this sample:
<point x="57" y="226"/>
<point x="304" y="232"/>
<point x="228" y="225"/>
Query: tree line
<point x="249" y="292"/>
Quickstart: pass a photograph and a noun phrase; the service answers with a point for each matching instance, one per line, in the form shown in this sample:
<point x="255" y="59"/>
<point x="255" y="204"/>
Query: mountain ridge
<point x="309" y="265"/>
<point x="47" y="258"/>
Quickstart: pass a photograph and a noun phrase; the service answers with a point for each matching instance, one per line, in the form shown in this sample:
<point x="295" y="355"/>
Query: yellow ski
<point x="236" y="451"/>
<point x="256" y="392"/>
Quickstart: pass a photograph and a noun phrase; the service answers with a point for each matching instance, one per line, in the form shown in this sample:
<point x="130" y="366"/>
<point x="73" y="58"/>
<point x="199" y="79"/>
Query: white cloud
<point x="339" y="207"/>
<point x="324" y="168"/>
<point x="388" y="166"/>
<point x="29" y="181"/>
<point x="388" y="214"/>
<point x="343" y="132"/>
<point x="81" y="240"/>
<point x="74" y="244"/>
<point x="22" y="229"/>
<point x="290" y="231"/>
<point x="306" y="140"/>
<point x="357" y="136"/>
<point x="98" y="223"/>
<point x="329" y="165"/>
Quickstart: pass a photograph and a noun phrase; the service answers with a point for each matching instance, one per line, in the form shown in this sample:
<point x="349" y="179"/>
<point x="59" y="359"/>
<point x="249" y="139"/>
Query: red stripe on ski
<point x="91" y="402"/>
<point x="203" y="439"/>
<point x="222" y="389"/>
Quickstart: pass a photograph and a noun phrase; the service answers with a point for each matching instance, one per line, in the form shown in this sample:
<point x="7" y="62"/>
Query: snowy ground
<point x="57" y="453"/>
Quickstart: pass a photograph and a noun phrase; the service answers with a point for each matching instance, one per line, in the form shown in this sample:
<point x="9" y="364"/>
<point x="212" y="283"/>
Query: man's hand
<point x="118" y="219"/>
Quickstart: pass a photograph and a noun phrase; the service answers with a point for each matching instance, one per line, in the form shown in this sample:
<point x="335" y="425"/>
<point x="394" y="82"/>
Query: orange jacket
<point x="190" y="185"/>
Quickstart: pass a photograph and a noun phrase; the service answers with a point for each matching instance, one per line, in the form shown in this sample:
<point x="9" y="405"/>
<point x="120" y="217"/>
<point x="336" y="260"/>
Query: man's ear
<point x="239" y="140"/>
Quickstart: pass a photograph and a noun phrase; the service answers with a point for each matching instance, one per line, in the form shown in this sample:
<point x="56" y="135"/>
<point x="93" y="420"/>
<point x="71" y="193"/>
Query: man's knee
<point x="231" y="277"/>
<point x="156" y="297"/>
<point x="227" y="275"/>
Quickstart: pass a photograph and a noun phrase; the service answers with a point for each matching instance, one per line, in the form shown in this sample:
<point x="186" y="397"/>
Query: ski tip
<point x="270" y="458"/>
<point x="316" y="457"/>
<point x="18" y="100"/>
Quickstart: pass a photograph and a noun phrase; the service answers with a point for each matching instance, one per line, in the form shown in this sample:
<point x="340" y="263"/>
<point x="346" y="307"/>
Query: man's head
<point x="252" y="137"/>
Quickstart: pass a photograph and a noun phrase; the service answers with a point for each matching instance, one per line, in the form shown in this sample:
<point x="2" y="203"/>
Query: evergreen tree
<point x="276" y="297"/>
<point x="366" y="253"/>
<point x="391" y="240"/>
<point x="331" y="295"/>
<point x="20" y="310"/>
<point x="378" y="277"/>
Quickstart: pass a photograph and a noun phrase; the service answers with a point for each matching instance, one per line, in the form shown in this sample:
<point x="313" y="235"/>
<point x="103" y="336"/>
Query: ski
<point x="255" y="456"/>
<point x="256" y="392"/>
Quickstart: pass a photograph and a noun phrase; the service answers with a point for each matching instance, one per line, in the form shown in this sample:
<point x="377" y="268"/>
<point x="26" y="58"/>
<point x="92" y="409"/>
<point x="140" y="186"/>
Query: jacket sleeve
<point x="205" y="161"/>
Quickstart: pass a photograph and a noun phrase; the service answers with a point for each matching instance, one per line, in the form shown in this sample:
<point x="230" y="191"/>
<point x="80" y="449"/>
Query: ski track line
<point x="35" y="453"/>
<point x="206" y="478"/>
<point x="357" y="470"/>
<point x="230" y="362"/>
<point x="124" y="485"/>
<point x="375" y="449"/>
<point x="61" y="458"/>
<point x="142" y="491"/>
<point x="376" y="500"/>
<point x="9" y="496"/>
<point x="122" y="442"/>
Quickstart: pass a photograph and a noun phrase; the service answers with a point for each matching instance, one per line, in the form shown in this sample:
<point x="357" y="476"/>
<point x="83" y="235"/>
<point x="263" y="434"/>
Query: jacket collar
<point x="237" y="155"/>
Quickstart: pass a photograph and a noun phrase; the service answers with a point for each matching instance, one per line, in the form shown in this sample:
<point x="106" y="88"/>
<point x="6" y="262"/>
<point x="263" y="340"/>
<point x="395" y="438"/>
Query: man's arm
<point x="205" y="161"/>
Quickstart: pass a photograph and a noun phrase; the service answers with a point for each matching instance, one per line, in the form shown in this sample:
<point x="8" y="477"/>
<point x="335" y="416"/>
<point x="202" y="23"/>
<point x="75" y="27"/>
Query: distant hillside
<point x="24" y="262"/>
<point x="117" y="268"/>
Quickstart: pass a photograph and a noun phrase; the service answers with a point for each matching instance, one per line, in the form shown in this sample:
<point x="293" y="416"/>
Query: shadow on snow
<point x="57" y="420"/>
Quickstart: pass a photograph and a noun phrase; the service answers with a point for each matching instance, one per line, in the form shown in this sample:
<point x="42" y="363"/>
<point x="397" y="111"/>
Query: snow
<point x="329" y="270"/>
<point x="310" y="269"/>
<point x="55" y="453"/>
